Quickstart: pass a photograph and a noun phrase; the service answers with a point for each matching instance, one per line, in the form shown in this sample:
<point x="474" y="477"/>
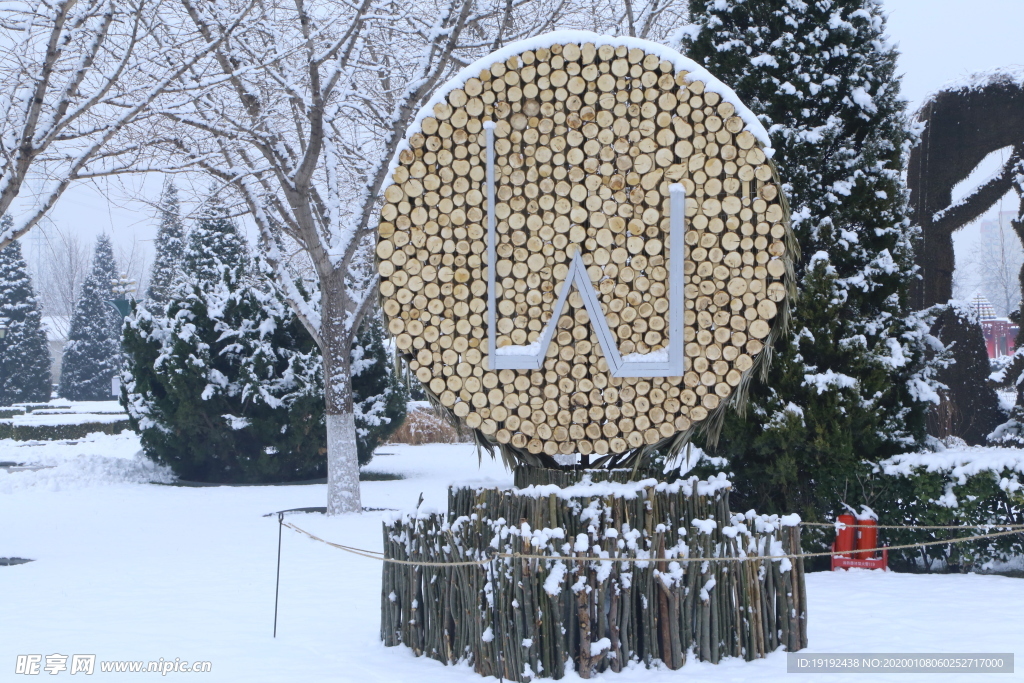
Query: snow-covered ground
<point x="129" y="570"/>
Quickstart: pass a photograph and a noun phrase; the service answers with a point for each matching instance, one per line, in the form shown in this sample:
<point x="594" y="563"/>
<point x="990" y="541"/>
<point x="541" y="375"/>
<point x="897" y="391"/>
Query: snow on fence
<point x="533" y="617"/>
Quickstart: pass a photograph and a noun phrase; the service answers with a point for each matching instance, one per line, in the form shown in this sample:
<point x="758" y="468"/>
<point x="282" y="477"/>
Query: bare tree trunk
<point x="342" y="465"/>
<point x="337" y="331"/>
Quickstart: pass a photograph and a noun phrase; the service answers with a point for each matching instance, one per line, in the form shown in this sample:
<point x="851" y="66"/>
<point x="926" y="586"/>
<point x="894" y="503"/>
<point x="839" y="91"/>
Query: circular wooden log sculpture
<point x="589" y="134"/>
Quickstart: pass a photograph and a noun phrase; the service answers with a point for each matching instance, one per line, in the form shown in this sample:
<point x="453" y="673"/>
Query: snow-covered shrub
<point x="1008" y="374"/>
<point x="1001" y="370"/>
<point x="24" y="352"/>
<point x="957" y="487"/>
<point x="92" y="354"/>
<point x="225" y="385"/>
<point x="58" y="432"/>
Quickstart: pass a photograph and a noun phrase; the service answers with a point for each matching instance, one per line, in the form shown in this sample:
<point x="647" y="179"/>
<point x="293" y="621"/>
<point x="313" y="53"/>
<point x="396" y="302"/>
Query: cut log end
<point x="587" y="142"/>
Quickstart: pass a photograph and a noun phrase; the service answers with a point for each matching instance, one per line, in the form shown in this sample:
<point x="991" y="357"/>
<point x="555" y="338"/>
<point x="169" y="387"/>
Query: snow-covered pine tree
<point x="228" y="387"/>
<point x="214" y="243"/>
<point x="170" y="249"/>
<point x="92" y="355"/>
<point x="24" y="353"/>
<point x="852" y="383"/>
<point x="380" y="395"/>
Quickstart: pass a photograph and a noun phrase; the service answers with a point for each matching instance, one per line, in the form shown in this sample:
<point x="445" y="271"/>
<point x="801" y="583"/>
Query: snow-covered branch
<point x="981" y="199"/>
<point x="74" y="77"/>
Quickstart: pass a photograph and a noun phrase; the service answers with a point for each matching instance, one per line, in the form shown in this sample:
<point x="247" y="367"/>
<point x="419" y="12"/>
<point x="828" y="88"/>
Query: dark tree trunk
<point x="962" y="126"/>
<point x="970" y="407"/>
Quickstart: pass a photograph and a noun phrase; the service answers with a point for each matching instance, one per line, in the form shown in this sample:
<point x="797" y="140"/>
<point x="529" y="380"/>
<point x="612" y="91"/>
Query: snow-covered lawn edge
<point x="137" y="572"/>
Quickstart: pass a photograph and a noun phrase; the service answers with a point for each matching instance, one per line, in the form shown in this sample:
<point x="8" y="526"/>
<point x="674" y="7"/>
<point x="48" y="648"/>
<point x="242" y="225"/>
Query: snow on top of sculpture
<point x="602" y="157"/>
<point x="1010" y="75"/>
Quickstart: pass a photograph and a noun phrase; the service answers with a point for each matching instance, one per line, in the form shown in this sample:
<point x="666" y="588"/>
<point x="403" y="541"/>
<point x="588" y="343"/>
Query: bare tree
<point x="651" y="20"/>
<point x="305" y="141"/>
<point x="73" y="75"/>
<point x="998" y="260"/>
<point x="63" y="266"/>
<point x="132" y="263"/>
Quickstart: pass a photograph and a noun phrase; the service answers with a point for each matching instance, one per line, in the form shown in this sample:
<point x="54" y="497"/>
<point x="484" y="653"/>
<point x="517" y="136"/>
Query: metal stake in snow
<point x="277" y="582"/>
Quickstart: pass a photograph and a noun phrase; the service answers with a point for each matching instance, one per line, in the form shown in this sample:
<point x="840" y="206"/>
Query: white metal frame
<point x="577" y="276"/>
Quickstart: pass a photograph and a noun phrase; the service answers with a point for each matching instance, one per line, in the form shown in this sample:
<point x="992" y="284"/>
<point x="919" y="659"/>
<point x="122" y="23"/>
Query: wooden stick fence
<point x="526" y="618"/>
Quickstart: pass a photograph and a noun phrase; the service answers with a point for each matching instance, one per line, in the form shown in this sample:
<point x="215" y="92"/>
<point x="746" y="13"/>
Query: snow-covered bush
<point x="379" y="397"/>
<point x="225" y="385"/>
<point x="1008" y="374"/>
<point x="957" y="487"/>
<point x="58" y="432"/>
<point x="223" y="382"/>
<point x="24" y="353"/>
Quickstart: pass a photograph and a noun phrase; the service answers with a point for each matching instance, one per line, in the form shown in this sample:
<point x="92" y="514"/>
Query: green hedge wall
<point x="970" y="488"/>
<point x="8" y="430"/>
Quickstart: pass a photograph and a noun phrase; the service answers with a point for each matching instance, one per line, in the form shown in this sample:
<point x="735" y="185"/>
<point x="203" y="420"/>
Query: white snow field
<point x="130" y="570"/>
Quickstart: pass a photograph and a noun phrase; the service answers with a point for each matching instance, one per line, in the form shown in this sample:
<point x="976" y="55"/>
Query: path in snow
<point x="141" y="571"/>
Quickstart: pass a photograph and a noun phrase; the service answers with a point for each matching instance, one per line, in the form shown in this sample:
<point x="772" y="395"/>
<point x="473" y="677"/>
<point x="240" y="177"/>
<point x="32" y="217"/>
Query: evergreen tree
<point x="228" y="387"/>
<point x="24" y="352"/>
<point x="852" y="383"/>
<point x="92" y="354"/>
<point x="214" y="243"/>
<point x="380" y="396"/>
<point x="170" y="248"/>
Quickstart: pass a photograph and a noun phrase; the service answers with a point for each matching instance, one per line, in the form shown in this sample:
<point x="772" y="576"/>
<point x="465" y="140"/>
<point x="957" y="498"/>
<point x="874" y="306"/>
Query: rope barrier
<point x="376" y="555"/>
<point x="843" y="525"/>
<point x="754" y="558"/>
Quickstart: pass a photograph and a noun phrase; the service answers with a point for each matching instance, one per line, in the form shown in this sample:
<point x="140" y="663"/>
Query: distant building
<point x="1000" y="333"/>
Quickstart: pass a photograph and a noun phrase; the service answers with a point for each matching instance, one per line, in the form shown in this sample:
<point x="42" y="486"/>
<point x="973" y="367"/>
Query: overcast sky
<point x="939" y="40"/>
